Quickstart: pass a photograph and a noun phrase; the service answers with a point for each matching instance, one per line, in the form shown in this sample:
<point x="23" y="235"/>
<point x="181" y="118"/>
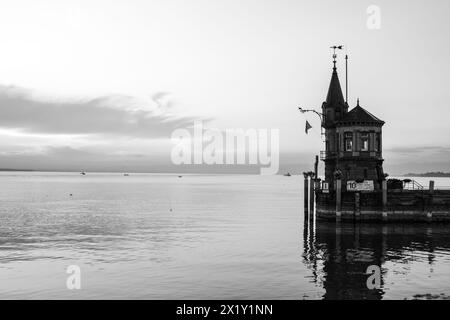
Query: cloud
<point x="66" y="152"/>
<point x="117" y="115"/>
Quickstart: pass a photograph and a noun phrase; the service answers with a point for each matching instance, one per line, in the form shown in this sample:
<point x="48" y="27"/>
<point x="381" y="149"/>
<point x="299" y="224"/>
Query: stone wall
<point x="402" y="205"/>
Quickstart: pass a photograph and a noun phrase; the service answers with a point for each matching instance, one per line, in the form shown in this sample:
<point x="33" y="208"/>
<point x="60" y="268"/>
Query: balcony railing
<point x="324" y="155"/>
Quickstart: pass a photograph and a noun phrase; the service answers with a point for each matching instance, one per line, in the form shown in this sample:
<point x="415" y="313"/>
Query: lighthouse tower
<point x="353" y="140"/>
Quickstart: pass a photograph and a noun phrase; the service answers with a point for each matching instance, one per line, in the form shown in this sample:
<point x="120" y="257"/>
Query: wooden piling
<point x="430" y="204"/>
<point x="311" y="195"/>
<point x="338" y="199"/>
<point x="431" y="186"/>
<point x="305" y="191"/>
<point x="384" y="196"/>
<point x="316" y="168"/>
<point x="357" y="205"/>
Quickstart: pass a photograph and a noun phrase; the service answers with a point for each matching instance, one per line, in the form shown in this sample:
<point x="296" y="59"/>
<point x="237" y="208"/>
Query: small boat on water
<point x="287" y="174"/>
<point x="126" y="174"/>
<point x="83" y="173"/>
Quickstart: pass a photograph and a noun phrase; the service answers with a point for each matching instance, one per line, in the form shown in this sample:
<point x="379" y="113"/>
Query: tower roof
<point x="335" y="96"/>
<point x="359" y="114"/>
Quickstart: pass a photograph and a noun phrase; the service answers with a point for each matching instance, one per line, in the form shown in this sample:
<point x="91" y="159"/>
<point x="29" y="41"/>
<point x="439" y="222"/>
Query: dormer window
<point x="364" y="141"/>
<point x="348" y="141"/>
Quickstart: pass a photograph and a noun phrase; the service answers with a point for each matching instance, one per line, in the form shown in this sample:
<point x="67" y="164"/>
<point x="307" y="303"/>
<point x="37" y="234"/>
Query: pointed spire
<point x="335" y="106"/>
<point x="357" y="103"/>
<point x="335" y="96"/>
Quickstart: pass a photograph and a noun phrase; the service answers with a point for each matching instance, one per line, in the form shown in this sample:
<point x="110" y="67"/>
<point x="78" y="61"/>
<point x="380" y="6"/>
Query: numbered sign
<point x="366" y="185"/>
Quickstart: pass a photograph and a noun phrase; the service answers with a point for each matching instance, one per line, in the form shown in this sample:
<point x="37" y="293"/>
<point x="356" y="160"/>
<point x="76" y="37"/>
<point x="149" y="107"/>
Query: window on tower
<point x="328" y="116"/>
<point x="348" y="141"/>
<point x="377" y="142"/>
<point x="338" y="142"/>
<point x="364" y="141"/>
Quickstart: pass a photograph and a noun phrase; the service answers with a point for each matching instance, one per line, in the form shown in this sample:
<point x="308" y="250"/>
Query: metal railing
<point x="324" y="155"/>
<point x="409" y="184"/>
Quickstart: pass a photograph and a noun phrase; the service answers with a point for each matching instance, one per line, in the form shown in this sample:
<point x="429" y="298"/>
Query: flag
<point x="307" y="127"/>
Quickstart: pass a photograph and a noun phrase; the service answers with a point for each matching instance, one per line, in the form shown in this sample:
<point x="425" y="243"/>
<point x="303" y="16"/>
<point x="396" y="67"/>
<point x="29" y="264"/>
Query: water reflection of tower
<point x="348" y="254"/>
<point x="338" y="256"/>
<point x="309" y="243"/>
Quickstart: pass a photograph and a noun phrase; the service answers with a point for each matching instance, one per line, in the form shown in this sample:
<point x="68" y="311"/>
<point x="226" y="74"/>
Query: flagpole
<point x="346" y="78"/>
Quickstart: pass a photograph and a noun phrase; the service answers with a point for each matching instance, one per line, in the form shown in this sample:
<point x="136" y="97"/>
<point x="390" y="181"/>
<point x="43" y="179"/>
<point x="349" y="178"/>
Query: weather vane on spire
<point x="334" y="53"/>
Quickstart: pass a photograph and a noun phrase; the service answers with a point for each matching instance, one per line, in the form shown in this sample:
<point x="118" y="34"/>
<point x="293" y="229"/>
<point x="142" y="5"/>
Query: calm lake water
<point x="201" y="237"/>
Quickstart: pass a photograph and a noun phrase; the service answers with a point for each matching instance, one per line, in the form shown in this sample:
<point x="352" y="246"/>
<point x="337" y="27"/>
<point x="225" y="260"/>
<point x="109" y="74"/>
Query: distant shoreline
<point x="429" y="175"/>
<point x="438" y="174"/>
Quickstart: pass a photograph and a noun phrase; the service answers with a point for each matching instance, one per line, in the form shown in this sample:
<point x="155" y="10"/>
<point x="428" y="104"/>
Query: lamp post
<point x="314" y="111"/>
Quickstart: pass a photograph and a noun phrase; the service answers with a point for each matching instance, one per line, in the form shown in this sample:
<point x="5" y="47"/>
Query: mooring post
<point x="338" y="240"/>
<point x="384" y="235"/>
<point x="316" y="168"/>
<point x="305" y="201"/>
<point x="338" y="199"/>
<point x="311" y="195"/>
<point x="357" y="204"/>
<point x="430" y="204"/>
<point x="384" y="196"/>
<point x="356" y="234"/>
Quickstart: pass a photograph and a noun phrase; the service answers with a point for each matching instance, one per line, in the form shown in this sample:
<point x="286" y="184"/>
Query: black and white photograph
<point x="224" y="150"/>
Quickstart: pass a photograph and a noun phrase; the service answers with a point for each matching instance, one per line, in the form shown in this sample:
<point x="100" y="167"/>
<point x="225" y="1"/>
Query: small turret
<point x="334" y="106"/>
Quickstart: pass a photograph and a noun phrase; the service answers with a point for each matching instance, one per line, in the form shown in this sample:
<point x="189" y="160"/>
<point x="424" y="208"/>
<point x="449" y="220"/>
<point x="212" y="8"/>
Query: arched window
<point x="348" y="141"/>
<point x="364" y="141"/>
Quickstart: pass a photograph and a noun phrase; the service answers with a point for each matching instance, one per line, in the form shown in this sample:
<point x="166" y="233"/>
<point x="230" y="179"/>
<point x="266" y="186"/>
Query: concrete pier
<point x="385" y="204"/>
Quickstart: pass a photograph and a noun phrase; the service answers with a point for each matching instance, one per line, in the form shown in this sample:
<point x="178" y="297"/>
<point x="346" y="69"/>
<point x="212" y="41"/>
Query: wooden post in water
<point x="316" y="168"/>
<point x="338" y="199"/>
<point x="430" y="208"/>
<point x="305" y="192"/>
<point x="384" y="197"/>
<point x="311" y="194"/>
<point x="357" y="205"/>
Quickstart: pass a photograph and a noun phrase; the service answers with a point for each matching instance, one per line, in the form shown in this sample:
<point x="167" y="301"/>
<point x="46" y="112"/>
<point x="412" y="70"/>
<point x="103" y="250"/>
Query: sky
<point x="101" y="85"/>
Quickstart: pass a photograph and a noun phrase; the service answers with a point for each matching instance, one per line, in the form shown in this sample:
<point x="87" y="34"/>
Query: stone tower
<point x="353" y="141"/>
